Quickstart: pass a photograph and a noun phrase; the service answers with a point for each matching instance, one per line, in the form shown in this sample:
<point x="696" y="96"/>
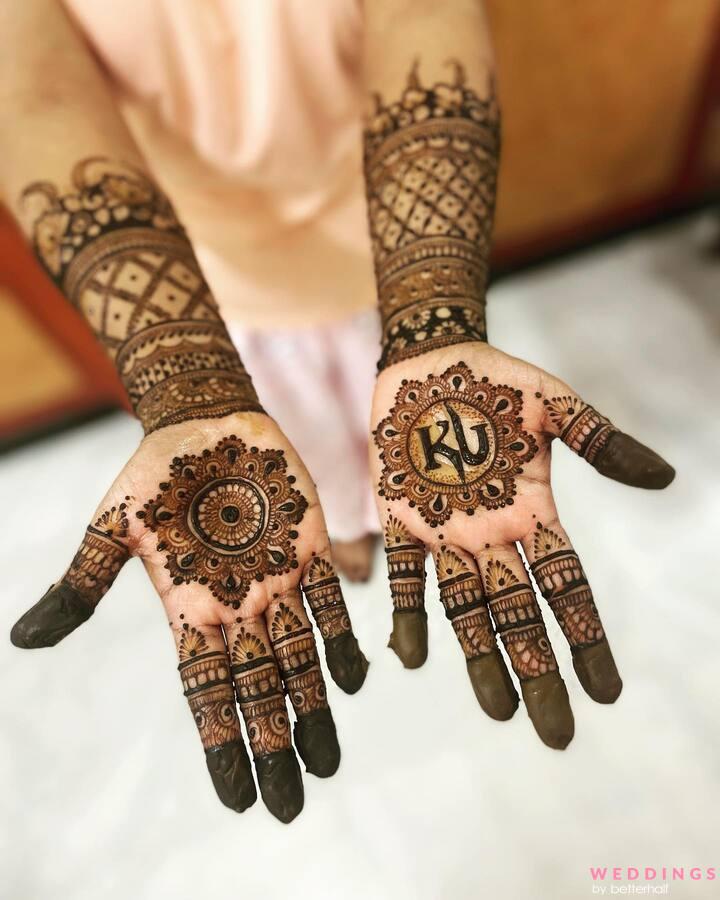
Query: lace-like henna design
<point x="115" y="248"/>
<point x="100" y="556"/>
<point x="462" y="596"/>
<point x="560" y="577"/>
<point x="226" y="517"/>
<point x="259" y="692"/>
<point x="294" y="648"/>
<point x="452" y="442"/>
<point x="208" y="687"/>
<point x="430" y="164"/>
<point x="406" y="567"/>
<point x="518" y="621"/>
<point x="580" y="426"/>
<point x="324" y="596"/>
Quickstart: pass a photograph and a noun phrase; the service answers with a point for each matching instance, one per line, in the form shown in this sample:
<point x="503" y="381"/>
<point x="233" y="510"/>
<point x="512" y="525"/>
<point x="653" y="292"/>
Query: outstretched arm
<point x="215" y="501"/>
<point x="463" y="431"/>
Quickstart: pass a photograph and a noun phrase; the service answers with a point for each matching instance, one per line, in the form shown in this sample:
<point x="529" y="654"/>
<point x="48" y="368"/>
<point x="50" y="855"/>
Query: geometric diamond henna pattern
<point x="208" y="688"/>
<point x="518" y="621"/>
<point x="560" y="577"/>
<point x="462" y="596"/>
<point x="100" y="556"/>
<point x="259" y="693"/>
<point x="430" y="161"/>
<point x="580" y="426"/>
<point x="115" y="248"/>
<point x="452" y="442"/>
<point x="324" y="595"/>
<point x="226" y="517"/>
<point x="406" y="567"/>
<point x="294" y="648"/>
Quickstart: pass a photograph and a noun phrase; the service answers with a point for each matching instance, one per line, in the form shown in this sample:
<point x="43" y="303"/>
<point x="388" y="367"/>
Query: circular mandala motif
<point x="226" y="517"/>
<point x="452" y="442"/>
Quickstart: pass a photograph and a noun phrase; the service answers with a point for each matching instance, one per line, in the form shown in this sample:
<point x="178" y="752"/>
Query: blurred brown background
<point x="610" y="121"/>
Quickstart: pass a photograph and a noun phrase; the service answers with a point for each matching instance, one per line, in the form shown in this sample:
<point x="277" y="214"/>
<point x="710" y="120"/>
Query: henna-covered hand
<point x="226" y="520"/>
<point x="462" y="431"/>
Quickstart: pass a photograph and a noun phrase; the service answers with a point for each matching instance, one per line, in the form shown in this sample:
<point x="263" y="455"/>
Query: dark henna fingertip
<point x="409" y="637"/>
<point x="597" y="672"/>
<point x="493" y="686"/>
<point x="548" y="706"/>
<point x="346" y="662"/>
<point x="317" y="743"/>
<point x="628" y="461"/>
<point x="60" y="611"/>
<point x="281" y="784"/>
<point x="232" y="777"/>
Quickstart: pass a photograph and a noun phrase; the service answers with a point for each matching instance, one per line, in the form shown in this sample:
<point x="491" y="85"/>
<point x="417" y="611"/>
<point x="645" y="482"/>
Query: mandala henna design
<point x="324" y="596"/>
<point x="560" y="577"/>
<point x="462" y="596"/>
<point x="226" y="517"/>
<point x="294" y="648"/>
<point x="580" y="426"/>
<point x="430" y="164"/>
<point x="452" y="442"/>
<point x="518" y="621"/>
<point x="259" y="692"/>
<point x="406" y="567"/>
<point x="208" y="688"/>
<point x="115" y="248"/>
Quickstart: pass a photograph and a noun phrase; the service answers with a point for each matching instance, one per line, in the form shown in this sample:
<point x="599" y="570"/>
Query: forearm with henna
<point x="112" y="243"/>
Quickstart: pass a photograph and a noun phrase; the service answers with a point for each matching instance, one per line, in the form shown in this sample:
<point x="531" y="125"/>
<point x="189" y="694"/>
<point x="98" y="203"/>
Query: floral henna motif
<point x="208" y="688"/>
<point x="115" y="248"/>
<point x="324" y="596"/>
<point x="406" y="567"/>
<point x="294" y="648"/>
<point x="226" y="518"/>
<point x="259" y="693"/>
<point x="518" y="621"/>
<point x="462" y="596"/>
<point x="101" y="555"/>
<point x="430" y="170"/>
<point x="452" y="442"/>
<point x="580" y="426"/>
<point x="560" y="577"/>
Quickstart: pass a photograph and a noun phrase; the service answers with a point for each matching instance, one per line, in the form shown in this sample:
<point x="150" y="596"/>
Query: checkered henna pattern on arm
<point x="115" y="248"/>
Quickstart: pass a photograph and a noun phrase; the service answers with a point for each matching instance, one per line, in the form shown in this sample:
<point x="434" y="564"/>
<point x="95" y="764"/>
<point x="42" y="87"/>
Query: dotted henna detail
<point x="453" y="443"/>
<point x="226" y="517"/>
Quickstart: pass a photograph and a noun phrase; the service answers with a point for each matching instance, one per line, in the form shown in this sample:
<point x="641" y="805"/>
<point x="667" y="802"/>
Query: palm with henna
<point x="226" y="521"/>
<point x="462" y="454"/>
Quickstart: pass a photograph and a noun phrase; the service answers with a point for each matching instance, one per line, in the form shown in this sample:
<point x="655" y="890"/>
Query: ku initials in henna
<point x="226" y="518"/>
<point x="453" y="442"/>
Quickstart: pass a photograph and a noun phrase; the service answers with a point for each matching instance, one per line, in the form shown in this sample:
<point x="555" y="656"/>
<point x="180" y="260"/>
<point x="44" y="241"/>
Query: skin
<point x="496" y="535"/>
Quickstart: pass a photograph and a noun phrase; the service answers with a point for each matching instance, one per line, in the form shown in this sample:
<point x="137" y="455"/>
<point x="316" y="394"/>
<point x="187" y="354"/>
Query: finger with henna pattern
<point x="205" y="672"/>
<point x="519" y="623"/>
<point x="560" y="577"/>
<point x="594" y="438"/>
<point x="297" y="656"/>
<point x="346" y="661"/>
<point x="462" y="596"/>
<point x="70" y="602"/>
<point x="406" y="572"/>
<point x="259" y="691"/>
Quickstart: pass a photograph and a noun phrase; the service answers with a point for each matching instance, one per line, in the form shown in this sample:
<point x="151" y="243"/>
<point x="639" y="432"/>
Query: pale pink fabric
<point x="318" y="382"/>
<point x="249" y="114"/>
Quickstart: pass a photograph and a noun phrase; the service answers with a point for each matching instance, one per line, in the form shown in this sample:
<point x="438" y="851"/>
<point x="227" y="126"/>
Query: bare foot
<point x="354" y="559"/>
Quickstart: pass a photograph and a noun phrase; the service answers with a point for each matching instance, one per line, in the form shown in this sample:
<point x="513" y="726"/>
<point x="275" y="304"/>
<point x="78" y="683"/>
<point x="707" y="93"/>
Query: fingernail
<point x="548" y="706"/>
<point x="317" y="743"/>
<point x="628" y="461"/>
<point x="281" y="784"/>
<point x="231" y="774"/>
<point x="597" y="672"/>
<point x="493" y="686"/>
<point x="53" y="617"/>
<point x="409" y="638"/>
<point x="346" y="662"/>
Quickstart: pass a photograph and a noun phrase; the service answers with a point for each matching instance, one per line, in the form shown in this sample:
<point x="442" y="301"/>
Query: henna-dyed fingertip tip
<point x="597" y="672"/>
<point x="409" y="638"/>
<point x="493" y="686"/>
<point x="346" y="662"/>
<point x="58" y="613"/>
<point x="317" y="743"/>
<point x="281" y="784"/>
<point x="548" y="705"/>
<point x="628" y="461"/>
<point x="231" y="773"/>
